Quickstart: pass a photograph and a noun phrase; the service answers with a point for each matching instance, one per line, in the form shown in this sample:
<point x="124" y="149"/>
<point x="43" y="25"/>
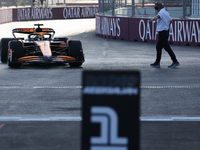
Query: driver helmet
<point x="39" y="37"/>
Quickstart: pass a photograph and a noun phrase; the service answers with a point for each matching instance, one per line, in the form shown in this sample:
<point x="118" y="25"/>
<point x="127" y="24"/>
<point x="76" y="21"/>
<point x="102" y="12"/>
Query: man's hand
<point x="154" y="18"/>
<point x="151" y="20"/>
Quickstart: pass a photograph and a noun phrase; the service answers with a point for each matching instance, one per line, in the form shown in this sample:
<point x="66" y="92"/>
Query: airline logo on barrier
<point x="108" y="139"/>
<point x="54" y="13"/>
<point x="180" y="31"/>
<point x="33" y="13"/>
<point x="108" y="26"/>
<point x="45" y="48"/>
<point x="79" y="12"/>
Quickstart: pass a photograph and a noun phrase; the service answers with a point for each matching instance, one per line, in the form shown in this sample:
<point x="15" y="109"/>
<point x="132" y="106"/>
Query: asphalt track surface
<point x="40" y="105"/>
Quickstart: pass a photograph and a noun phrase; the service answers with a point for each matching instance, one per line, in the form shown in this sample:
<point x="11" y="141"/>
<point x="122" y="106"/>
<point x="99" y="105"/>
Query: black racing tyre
<point x="4" y="49"/>
<point x="17" y="52"/>
<point x="75" y="50"/>
<point x="75" y="64"/>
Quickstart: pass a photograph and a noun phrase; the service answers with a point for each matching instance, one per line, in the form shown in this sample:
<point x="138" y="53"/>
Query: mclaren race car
<point x="40" y="47"/>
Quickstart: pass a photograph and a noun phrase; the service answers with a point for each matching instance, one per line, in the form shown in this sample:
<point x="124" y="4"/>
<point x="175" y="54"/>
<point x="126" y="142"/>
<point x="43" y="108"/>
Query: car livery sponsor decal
<point x="45" y="47"/>
<point x="25" y="30"/>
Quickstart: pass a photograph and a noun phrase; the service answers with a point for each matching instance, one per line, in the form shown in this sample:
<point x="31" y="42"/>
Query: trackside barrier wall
<point x="182" y="32"/>
<point x="48" y="13"/>
<point x="5" y="15"/>
<point x="31" y="14"/>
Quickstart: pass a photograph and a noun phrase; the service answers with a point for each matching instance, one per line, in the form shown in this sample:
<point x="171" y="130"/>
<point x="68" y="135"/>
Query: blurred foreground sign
<point x="110" y="110"/>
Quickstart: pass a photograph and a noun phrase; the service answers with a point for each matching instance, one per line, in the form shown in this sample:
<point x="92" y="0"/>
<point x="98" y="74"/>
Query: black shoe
<point x="174" y="64"/>
<point x="155" y="65"/>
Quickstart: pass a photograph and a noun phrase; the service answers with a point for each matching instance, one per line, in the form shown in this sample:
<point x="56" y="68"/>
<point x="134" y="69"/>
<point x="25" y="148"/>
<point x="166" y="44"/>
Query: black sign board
<point x="110" y="110"/>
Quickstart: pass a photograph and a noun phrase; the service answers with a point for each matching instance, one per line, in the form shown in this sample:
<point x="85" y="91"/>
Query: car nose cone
<point x="48" y="59"/>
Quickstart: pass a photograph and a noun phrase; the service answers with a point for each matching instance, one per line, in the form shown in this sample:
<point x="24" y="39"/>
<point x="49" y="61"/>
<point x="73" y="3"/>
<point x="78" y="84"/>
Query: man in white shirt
<point x="163" y="22"/>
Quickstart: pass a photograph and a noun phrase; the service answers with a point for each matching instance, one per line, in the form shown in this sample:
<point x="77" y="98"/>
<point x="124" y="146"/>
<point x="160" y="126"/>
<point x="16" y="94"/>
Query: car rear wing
<point x="32" y="30"/>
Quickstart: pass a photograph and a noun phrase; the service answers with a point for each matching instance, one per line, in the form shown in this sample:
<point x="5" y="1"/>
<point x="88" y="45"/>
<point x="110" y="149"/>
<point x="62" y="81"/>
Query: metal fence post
<point x="100" y="6"/>
<point x="155" y="10"/>
<point x="113" y="7"/>
<point x="195" y="8"/>
<point x="109" y="5"/>
<point x="192" y="12"/>
<point x="165" y="6"/>
<point x="103" y="6"/>
<point x="133" y="8"/>
<point x="184" y="8"/>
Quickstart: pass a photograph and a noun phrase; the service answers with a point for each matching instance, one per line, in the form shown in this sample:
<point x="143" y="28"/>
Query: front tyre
<point x="15" y="52"/>
<point x="4" y="49"/>
<point x="13" y="65"/>
<point x="75" y="50"/>
<point x="75" y="64"/>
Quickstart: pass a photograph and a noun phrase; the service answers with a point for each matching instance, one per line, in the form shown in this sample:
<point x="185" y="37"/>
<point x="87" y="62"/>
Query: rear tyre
<point x="75" y="50"/>
<point x="4" y="49"/>
<point x="16" y="51"/>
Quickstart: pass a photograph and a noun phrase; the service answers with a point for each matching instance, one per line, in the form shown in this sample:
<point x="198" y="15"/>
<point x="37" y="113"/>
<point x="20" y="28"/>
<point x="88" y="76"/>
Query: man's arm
<point x="154" y="18"/>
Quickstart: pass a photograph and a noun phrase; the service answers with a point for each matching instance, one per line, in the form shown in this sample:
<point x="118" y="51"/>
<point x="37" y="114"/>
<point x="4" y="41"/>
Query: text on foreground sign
<point x="110" y="110"/>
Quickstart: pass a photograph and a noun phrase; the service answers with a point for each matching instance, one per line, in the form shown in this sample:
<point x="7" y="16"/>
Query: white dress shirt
<point x="164" y="20"/>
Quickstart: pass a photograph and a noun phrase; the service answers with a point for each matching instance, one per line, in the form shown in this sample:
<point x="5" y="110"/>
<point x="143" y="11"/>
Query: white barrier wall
<point x="5" y="15"/>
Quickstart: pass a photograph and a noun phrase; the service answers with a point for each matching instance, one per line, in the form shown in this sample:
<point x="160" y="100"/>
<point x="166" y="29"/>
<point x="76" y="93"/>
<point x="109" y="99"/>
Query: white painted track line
<point x="79" y="87"/>
<point x="80" y="119"/>
<point x="170" y="87"/>
<point x="40" y="118"/>
<point x="170" y="118"/>
<point x="40" y="87"/>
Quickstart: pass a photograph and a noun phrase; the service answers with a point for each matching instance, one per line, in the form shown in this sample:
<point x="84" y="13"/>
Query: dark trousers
<point x="163" y="43"/>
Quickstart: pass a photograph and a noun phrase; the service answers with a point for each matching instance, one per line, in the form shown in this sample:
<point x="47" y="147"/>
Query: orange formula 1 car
<point x="40" y="47"/>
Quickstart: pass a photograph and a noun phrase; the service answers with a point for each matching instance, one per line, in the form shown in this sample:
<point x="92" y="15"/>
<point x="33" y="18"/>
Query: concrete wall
<point x="5" y="15"/>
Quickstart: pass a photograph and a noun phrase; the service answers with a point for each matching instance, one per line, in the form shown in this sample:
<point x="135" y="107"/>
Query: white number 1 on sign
<point x="108" y="139"/>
